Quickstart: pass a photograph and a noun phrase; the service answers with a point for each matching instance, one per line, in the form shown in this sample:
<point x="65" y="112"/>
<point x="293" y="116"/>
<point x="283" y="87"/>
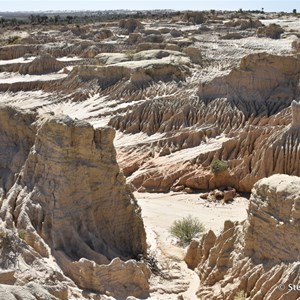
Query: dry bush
<point x="272" y="31"/>
<point x="195" y="17"/>
<point x="218" y="166"/>
<point x="130" y="25"/>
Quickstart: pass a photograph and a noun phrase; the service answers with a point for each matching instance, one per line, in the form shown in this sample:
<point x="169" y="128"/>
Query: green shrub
<point x="218" y="166"/>
<point x="186" y="229"/>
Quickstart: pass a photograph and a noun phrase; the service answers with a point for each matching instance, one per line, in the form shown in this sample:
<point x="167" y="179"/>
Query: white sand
<point x="17" y="60"/>
<point x="159" y="211"/>
<point x="7" y="77"/>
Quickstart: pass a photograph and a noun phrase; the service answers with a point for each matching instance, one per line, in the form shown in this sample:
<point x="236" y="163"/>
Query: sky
<point x="40" y="5"/>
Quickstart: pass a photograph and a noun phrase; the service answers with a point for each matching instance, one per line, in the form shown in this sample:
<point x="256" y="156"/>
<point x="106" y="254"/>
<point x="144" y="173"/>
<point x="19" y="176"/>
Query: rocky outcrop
<point x="15" y="51"/>
<point x="133" y="75"/>
<point x="112" y="58"/>
<point x="130" y="25"/>
<point x="119" y="279"/>
<point x="195" y="17"/>
<point x="258" y="257"/>
<point x="71" y="201"/>
<point x="49" y="84"/>
<point x="244" y="23"/>
<point x="155" y="46"/>
<point x="164" y="115"/>
<point x="264" y="84"/>
<point x="272" y="31"/>
<point x="17" y="134"/>
<point x="253" y="148"/>
<point x="103" y="76"/>
<point x="194" y="54"/>
<point x="161" y="54"/>
<point x="103" y="34"/>
<point x="90" y="52"/>
<point x="43" y="64"/>
<point x="259" y="131"/>
<point x="28" y="292"/>
<point x="58" y="49"/>
<point x="155" y="55"/>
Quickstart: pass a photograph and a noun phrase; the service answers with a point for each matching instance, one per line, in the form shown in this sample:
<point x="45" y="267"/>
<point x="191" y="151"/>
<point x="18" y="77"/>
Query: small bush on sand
<point x="218" y="166"/>
<point x="186" y="229"/>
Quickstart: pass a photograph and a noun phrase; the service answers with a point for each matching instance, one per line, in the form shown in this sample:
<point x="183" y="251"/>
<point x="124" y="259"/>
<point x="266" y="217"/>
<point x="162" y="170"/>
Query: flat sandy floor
<point x="159" y="211"/>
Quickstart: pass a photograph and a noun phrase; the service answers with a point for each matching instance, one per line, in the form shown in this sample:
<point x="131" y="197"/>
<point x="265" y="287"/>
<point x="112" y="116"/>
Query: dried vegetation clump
<point x="272" y="31"/>
<point x="186" y="229"/>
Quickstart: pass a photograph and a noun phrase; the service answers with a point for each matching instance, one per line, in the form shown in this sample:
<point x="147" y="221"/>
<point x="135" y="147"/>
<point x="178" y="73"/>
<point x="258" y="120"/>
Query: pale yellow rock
<point x="257" y="255"/>
<point x="44" y="63"/>
<point x="70" y="201"/>
<point x="295" y="114"/>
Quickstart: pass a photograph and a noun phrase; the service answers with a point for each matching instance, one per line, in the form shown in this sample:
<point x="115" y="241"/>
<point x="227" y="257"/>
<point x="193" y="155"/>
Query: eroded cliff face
<point x="258" y="257"/>
<point x="253" y="149"/>
<point x="70" y="201"/>
<point x="263" y="84"/>
<point x="247" y="118"/>
<point x="182" y="100"/>
<point x="17" y="134"/>
<point x="43" y="64"/>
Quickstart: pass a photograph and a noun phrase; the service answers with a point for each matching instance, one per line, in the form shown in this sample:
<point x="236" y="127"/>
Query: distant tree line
<point x="97" y="16"/>
<point x="11" y="22"/>
<point x="57" y="19"/>
<point x="60" y="19"/>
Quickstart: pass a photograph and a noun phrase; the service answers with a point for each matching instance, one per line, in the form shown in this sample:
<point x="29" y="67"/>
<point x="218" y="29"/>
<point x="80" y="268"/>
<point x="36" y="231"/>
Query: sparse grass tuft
<point x="186" y="229"/>
<point x="218" y="166"/>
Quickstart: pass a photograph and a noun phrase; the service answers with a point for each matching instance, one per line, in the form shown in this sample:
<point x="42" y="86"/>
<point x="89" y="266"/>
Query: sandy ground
<point x="7" y="77"/>
<point x="159" y="211"/>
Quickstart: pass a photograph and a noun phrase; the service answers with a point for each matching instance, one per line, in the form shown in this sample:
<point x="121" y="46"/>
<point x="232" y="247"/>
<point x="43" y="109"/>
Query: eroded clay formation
<point x="65" y="196"/>
<point x="178" y="92"/>
<point x="258" y="257"/>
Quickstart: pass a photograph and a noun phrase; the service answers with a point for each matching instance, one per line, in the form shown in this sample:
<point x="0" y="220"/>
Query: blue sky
<point x="36" y="5"/>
